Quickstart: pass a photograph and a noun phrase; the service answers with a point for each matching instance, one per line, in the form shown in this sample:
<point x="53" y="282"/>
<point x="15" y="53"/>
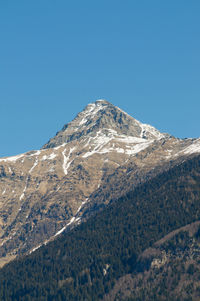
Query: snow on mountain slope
<point x="103" y="115"/>
<point x="193" y="148"/>
<point x="43" y="192"/>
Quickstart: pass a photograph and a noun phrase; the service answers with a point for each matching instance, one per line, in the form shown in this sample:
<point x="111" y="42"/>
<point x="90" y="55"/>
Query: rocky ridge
<point x="96" y="156"/>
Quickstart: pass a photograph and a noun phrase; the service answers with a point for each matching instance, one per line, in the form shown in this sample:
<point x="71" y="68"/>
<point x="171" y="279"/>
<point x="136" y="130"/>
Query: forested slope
<point x="167" y="271"/>
<point x="84" y="263"/>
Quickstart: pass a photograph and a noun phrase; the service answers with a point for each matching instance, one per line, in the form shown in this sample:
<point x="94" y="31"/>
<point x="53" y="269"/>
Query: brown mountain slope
<point x="94" y="157"/>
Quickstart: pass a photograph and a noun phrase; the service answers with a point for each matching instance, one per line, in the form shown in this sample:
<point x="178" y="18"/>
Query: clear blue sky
<point x="57" y="56"/>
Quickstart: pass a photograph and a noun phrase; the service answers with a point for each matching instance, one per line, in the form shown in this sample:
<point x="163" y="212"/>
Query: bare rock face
<point x="103" y="115"/>
<point x="100" y="155"/>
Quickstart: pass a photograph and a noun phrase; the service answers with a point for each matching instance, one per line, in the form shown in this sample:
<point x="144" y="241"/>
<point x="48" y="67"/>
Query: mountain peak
<point x="94" y="107"/>
<point x="102" y="101"/>
<point x="98" y="105"/>
<point x="101" y="115"/>
<point x="51" y="190"/>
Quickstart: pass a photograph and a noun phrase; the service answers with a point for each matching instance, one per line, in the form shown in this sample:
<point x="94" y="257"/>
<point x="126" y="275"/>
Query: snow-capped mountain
<point x="100" y="117"/>
<point x="99" y="155"/>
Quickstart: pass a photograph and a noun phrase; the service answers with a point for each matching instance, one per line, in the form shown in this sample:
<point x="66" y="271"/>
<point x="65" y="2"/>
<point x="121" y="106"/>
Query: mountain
<point x="92" y="161"/>
<point x="99" y="116"/>
<point x="145" y="246"/>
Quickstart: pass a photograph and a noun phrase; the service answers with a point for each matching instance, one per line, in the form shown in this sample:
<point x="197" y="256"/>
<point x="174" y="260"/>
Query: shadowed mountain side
<point x="169" y="270"/>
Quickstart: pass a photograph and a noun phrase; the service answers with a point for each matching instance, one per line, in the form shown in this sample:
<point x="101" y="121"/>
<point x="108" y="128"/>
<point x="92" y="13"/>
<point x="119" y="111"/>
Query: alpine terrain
<point x="96" y="158"/>
<point x="142" y="246"/>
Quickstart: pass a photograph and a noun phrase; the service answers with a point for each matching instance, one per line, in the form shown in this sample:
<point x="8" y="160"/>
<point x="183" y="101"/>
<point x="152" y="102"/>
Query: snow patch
<point x="36" y="153"/>
<point x="131" y="139"/>
<point x="70" y="222"/>
<point x="15" y="158"/>
<point x="57" y="147"/>
<point x="22" y="196"/>
<point x="50" y="157"/>
<point x="74" y="219"/>
<point x="99" y="141"/>
<point x="100" y="100"/>
<point x="81" y="206"/>
<point x="58" y="188"/>
<point x="90" y="111"/>
<point x="66" y="162"/>
<point x="105" y="270"/>
<point x="52" y="169"/>
<point x="148" y="129"/>
<point x="12" y="159"/>
<point x="34" y="165"/>
<point x="194" y="148"/>
<point x="33" y="250"/>
<point x="131" y="145"/>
